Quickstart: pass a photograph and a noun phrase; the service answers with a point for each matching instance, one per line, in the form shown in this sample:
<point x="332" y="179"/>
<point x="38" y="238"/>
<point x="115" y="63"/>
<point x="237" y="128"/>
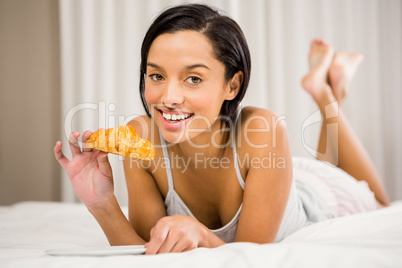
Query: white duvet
<point x="371" y="239"/>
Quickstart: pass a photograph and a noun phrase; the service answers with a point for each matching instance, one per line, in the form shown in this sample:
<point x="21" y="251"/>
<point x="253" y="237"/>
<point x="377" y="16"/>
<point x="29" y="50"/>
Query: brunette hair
<point x="227" y="39"/>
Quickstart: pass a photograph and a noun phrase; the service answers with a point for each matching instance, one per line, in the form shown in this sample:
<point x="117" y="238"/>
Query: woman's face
<point x="185" y="85"/>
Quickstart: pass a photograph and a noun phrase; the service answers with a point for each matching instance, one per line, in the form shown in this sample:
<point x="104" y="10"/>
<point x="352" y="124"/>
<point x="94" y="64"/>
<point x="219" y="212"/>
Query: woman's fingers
<point x="183" y="245"/>
<point x="173" y="242"/>
<point x="173" y="234"/>
<point x="73" y="142"/>
<point x="158" y="237"/>
<point x="168" y="244"/>
<point x="58" y="153"/>
<point x="85" y="138"/>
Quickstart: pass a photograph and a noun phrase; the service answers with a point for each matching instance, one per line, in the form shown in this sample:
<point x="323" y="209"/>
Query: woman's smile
<point x="174" y="119"/>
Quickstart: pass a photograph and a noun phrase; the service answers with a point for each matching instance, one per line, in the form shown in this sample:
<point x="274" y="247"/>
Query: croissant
<point x="124" y="141"/>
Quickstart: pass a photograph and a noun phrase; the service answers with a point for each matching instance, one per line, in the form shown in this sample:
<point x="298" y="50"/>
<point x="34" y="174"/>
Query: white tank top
<point x="304" y="205"/>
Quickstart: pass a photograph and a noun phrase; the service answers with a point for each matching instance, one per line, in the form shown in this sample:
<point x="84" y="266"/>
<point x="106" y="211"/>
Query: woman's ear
<point x="234" y="85"/>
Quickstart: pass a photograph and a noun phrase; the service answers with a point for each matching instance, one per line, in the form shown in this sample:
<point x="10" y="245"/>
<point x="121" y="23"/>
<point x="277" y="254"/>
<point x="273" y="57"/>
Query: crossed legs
<point x="328" y="83"/>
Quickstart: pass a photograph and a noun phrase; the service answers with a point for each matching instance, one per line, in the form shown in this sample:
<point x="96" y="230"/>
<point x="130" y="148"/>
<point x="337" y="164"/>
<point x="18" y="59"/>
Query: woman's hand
<point x="89" y="171"/>
<point x="176" y="233"/>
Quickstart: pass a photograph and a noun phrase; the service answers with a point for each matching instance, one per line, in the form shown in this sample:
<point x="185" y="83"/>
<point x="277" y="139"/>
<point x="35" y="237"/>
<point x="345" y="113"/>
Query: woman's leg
<point x="340" y="145"/>
<point x="339" y="76"/>
<point x="315" y="82"/>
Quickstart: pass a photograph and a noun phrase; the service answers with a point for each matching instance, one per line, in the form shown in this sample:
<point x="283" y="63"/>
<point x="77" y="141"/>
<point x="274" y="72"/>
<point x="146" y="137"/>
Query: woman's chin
<point x="172" y="138"/>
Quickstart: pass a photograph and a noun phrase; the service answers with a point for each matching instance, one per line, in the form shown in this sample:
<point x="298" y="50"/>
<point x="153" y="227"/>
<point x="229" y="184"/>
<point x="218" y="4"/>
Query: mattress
<point x="29" y="229"/>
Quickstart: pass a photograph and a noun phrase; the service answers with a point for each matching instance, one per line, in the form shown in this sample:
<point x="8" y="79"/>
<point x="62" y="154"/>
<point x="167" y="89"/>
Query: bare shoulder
<point x="261" y="128"/>
<point x="256" y="116"/>
<point x="142" y="125"/>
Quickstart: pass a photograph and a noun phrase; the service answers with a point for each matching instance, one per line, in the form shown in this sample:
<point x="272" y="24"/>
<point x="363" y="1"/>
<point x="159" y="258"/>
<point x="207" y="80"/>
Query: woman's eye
<point x="193" y="80"/>
<point x="156" y="77"/>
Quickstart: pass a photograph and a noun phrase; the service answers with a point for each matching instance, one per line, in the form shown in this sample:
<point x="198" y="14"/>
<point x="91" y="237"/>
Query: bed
<point x="29" y="229"/>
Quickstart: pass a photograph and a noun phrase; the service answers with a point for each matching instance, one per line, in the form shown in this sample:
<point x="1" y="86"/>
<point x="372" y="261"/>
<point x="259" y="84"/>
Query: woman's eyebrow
<point x="150" y="64"/>
<point x="193" y="66"/>
<point x="198" y="65"/>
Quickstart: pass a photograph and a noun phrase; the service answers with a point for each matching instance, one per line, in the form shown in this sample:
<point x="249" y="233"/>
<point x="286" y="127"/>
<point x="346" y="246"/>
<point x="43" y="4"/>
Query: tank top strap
<point x="233" y="140"/>
<point x="167" y="163"/>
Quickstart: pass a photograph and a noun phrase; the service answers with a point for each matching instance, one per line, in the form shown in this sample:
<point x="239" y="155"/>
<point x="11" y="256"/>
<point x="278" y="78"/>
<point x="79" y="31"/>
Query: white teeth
<point x="175" y="116"/>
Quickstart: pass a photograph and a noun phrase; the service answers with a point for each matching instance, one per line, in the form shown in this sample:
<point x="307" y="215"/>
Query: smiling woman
<point x="195" y="69"/>
<point x="207" y="33"/>
<point x="183" y="75"/>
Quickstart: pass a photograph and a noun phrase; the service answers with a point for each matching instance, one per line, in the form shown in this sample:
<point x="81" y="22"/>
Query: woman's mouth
<point x="174" y="120"/>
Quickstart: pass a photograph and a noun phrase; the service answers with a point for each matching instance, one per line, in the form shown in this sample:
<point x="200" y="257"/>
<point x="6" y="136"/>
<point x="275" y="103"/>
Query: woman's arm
<point x="145" y="201"/>
<point x="269" y="176"/>
<point x="146" y="205"/>
<point x="91" y="176"/>
<point x="92" y="180"/>
<point x="115" y="225"/>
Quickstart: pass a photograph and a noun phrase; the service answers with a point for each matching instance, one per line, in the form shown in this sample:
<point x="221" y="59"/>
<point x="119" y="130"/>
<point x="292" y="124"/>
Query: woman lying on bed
<point x="223" y="173"/>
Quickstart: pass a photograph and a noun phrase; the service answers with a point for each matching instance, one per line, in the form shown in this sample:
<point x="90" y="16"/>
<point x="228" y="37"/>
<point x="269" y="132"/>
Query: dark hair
<point x="227" y="39"/>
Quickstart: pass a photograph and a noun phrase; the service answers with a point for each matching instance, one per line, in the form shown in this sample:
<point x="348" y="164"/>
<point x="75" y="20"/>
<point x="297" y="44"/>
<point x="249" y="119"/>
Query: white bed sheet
<point x="372" y="239"/>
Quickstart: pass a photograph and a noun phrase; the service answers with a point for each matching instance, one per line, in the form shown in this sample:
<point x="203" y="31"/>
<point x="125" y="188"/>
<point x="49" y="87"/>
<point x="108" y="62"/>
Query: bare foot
<point x="320" y="58"/>
<point x="341" y="72"/>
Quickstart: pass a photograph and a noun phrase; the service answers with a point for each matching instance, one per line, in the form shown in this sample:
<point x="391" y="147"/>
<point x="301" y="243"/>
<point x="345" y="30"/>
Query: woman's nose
<point x="173" y="95"/>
